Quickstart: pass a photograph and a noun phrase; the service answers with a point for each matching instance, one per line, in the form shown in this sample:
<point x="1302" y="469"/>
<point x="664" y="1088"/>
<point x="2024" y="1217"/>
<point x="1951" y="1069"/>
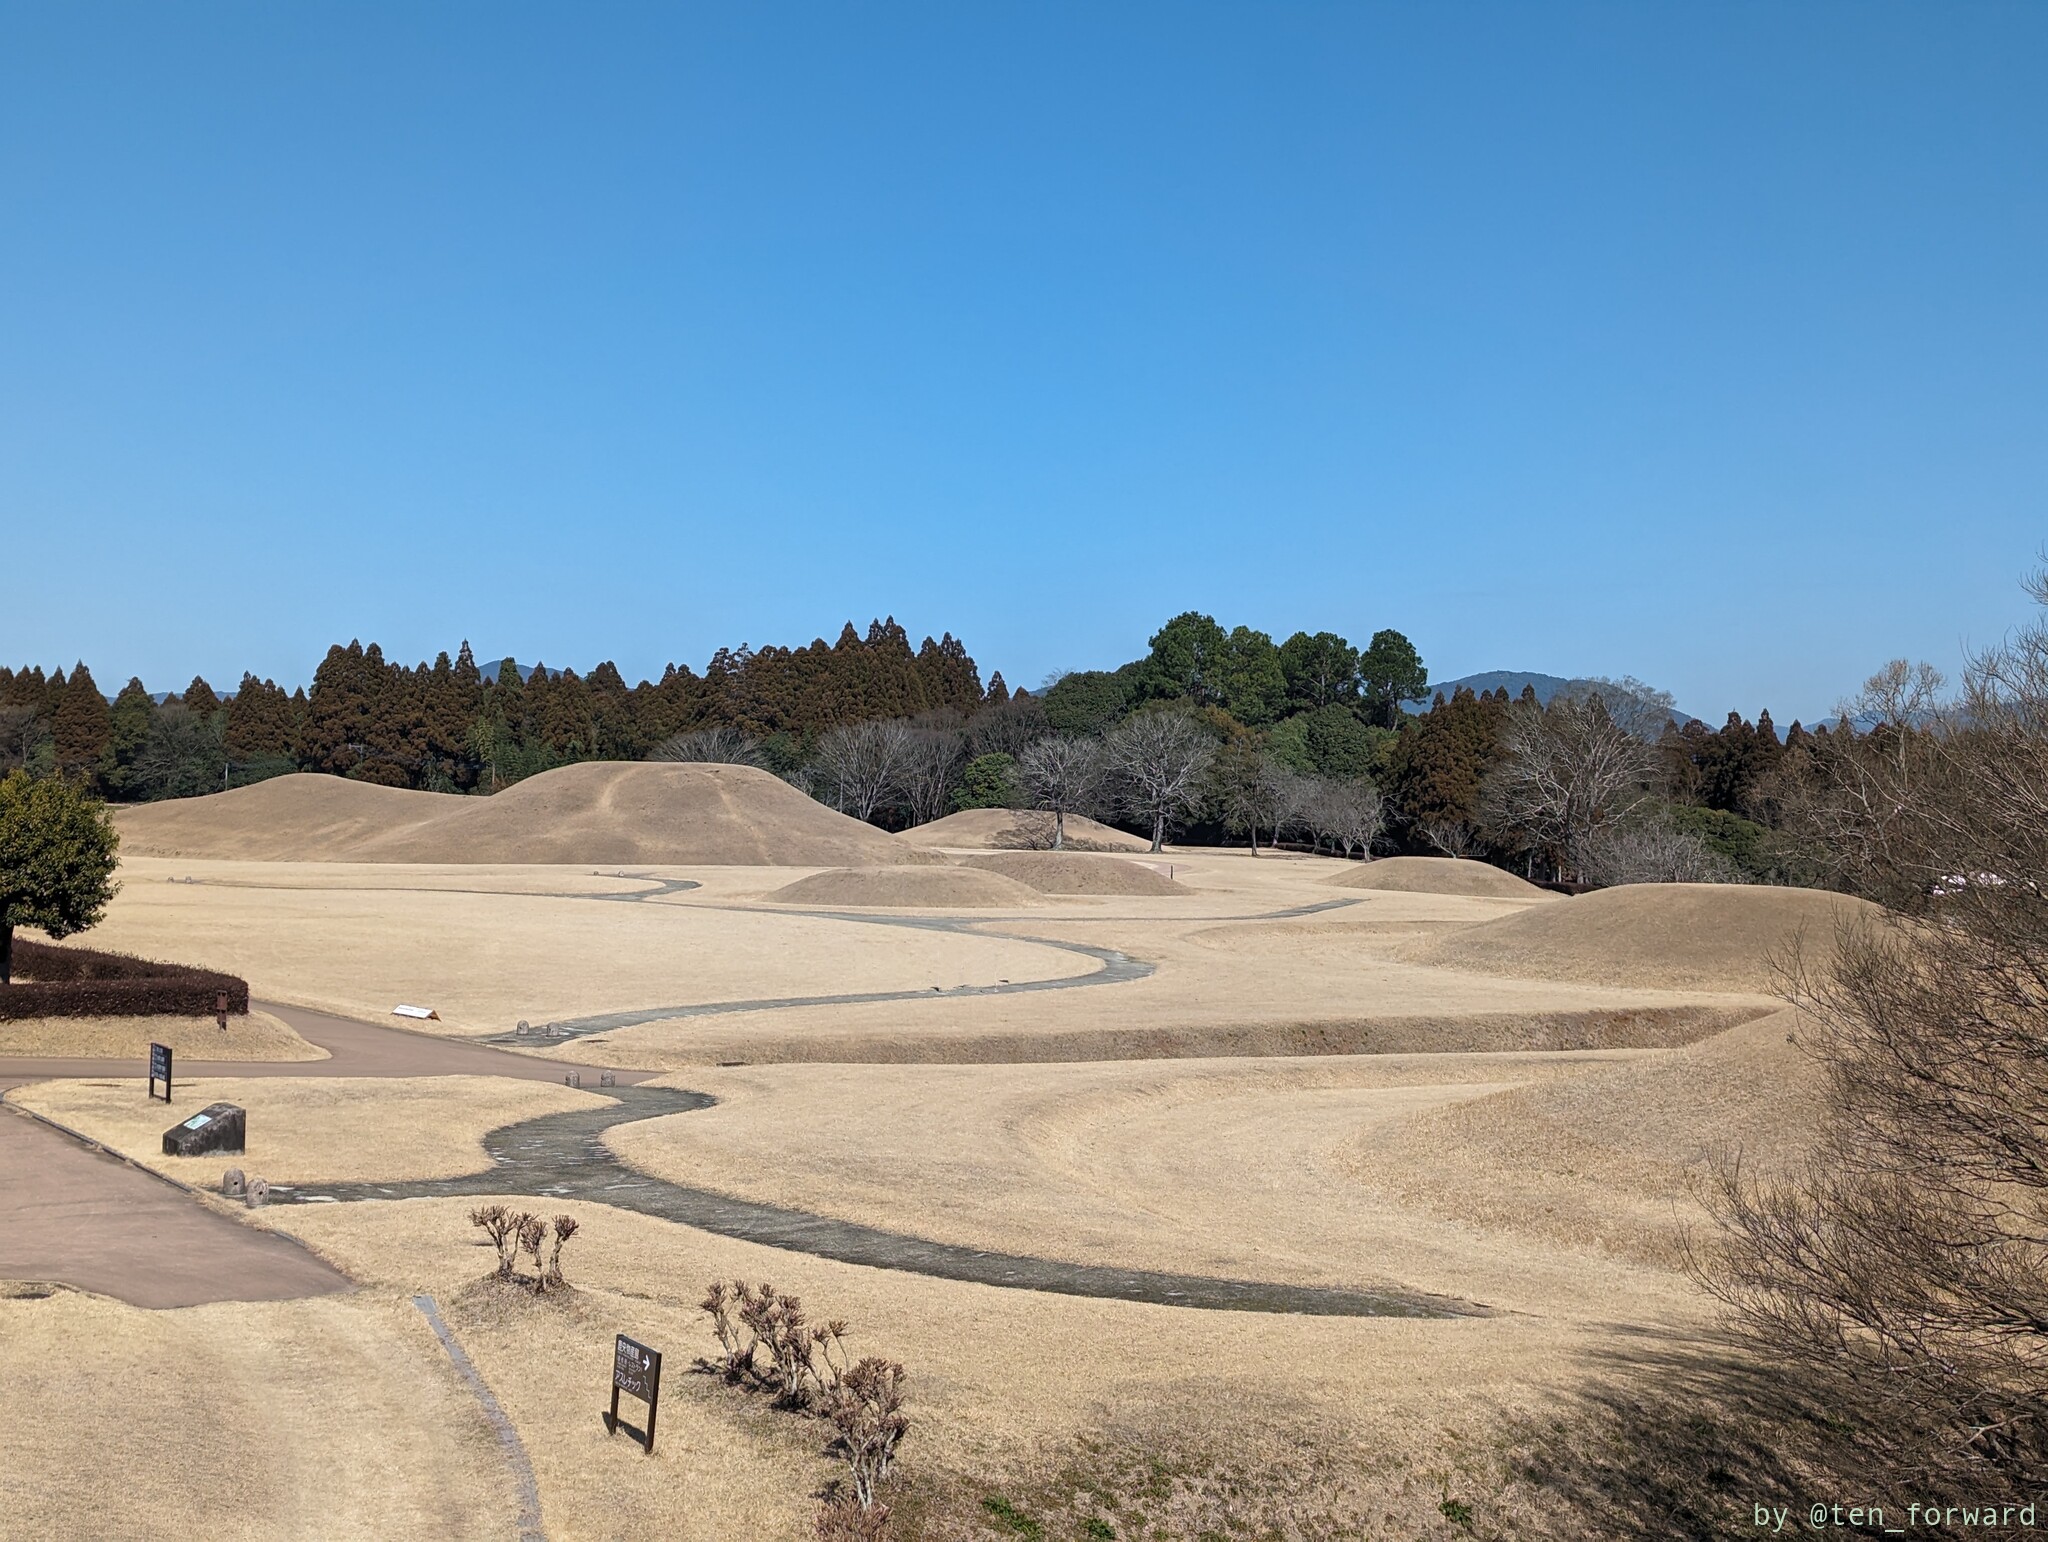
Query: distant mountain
<point x="1512" y="681"/>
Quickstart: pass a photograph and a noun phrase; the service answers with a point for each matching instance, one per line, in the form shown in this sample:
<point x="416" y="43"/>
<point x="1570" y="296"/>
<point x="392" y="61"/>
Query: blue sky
<point x="1707" y="343"/>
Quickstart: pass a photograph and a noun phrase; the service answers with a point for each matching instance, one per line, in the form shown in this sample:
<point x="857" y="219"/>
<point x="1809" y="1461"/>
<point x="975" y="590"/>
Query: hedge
<point x="84" y="982"/>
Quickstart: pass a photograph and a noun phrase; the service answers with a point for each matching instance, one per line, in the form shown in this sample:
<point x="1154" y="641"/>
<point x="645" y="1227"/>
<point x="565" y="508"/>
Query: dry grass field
<point x="1304" y="1072"/>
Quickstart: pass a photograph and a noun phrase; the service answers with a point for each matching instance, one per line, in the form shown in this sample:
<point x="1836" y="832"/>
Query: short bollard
<point x="232" y="1184"/>
<point x="258" y="1195"/>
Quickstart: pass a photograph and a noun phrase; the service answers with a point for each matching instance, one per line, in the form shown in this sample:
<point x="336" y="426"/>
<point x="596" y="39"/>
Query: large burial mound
<point x="1673" y="936"/>
<point x="908" y="888"/>
<point x="1060" y="872"/>
<point x="1440" y="875"/>
<point x="600" y="811"/>
<point x="1010" y="829"/>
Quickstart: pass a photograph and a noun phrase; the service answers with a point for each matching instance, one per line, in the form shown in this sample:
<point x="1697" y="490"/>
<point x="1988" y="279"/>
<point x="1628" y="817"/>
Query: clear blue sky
<point x="1708" y="342"/>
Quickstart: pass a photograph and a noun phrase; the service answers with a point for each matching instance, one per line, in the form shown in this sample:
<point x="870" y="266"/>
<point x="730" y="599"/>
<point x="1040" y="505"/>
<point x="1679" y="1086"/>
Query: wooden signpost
<point x="636" y="1369"/>
<point x="220" y="1010"/>
<point x="160" y="1069"/>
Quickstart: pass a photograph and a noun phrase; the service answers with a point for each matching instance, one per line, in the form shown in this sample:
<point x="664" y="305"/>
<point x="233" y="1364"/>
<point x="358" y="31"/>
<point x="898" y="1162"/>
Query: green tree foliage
<point x="57" y="856"/>
<point x="200" y="698"/>
<point x="1331" y="742"/>
<point x="989" y="781"/>
<point x="1390" y="672"/>
<point x="82" y="728"/>
<point x="130" y="717"/>
<point x="1320" y="670"/>
<point x="1186" y="661"/>
<point x="1254" y="688"/>
<point x="1088" y="701"/>
<point x="183" y="755"/>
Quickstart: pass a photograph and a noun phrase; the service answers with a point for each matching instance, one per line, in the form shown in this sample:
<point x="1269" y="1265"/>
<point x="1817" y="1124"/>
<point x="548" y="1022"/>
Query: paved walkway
<point x="71" y="1214"/>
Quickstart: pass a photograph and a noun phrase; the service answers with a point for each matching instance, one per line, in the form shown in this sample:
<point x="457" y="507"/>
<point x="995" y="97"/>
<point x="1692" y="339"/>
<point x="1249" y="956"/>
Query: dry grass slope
<point x="596" y="812"/>
<point x="1059" y="872"/>
<point x="1439" y="875"/>
<point x="1008" y="829"/>
<point x="1661" y="936"/>
<point x="1607" y="1157"/>
<point x="911" y="888"/>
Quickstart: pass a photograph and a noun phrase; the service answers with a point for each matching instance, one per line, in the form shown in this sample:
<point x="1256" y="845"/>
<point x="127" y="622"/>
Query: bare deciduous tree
<point x="1160" y="760"/>
<point x="1349" y="815"/>
<point x="1568" y="769"/>
<point x="1905" y="1264"/>
<point x="860" y="766"/>
<point x="932" y="758"/>
<point x="1651" y="851"/>
<point x="1063" y="775"/>
<point x="712" y="746"/>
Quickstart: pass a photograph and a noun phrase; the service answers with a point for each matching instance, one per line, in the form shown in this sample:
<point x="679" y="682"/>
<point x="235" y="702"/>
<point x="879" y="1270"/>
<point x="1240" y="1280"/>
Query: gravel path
<point x="564" y="1156"/>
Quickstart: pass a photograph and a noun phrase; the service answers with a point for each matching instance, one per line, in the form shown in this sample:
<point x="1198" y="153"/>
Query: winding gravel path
<point x="1117" y="968"/>
<point x="565" y="1156"/>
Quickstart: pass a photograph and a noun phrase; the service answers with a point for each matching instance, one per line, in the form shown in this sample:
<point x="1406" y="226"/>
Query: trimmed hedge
<point x="84" y="982"/>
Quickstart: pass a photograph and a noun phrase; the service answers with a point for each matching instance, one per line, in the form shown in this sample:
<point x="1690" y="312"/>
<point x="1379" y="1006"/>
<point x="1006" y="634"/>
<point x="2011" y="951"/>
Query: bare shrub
<point x="1651" y="851"/>
<point x="735" y="1344"/>
<point x="502" y="1227"/>
<point x="565" y="1228"/>
<point x="1904" y="1265"/>
<point x="780" y="1326"/>
<point x="867" y="1410"/>
<point x="533" y="1232"/>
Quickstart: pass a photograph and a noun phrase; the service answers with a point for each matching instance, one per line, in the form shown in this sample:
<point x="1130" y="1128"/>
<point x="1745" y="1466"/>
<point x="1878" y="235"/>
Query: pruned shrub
<point x="85" y="982"/>
<point x="766" y="1339"/>
<point x="502" y="1227"/>
<point x="565" y="1228"/>
<point x="513" y="1232"/>
<point x="867" y="1410"/>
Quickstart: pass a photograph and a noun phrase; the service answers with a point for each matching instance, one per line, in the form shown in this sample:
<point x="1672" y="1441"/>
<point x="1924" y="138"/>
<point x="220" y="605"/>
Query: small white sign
<point x="422" y="1012"/>
<point x="197" y="1120"/>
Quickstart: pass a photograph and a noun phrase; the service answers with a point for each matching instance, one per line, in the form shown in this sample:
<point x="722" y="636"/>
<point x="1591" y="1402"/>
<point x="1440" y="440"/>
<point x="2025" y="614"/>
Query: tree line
<point x="452" y="726"/>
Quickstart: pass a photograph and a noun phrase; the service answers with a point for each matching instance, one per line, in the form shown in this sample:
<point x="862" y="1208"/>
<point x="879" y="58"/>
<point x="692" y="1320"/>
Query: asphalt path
<point x="72" y="1213"/>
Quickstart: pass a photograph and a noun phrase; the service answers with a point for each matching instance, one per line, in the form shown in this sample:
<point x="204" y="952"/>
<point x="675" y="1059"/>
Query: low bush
<point x="765" y="1339"/>
<point x="513" y="1232"/>
<point x="85" y="982"/>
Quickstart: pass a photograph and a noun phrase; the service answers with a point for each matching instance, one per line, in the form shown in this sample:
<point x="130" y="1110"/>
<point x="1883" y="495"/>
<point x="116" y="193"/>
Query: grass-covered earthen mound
<point x="1439" y="875"/>
<point x="1660" y="936"/>
<point x="1061" y="872"/>
<point x="1603" y="1157"/>
<point x="908" y="888"/>
<point x="598" y="812"/>
<point x="53" y="981"/>
<point x="1009" y="829"/>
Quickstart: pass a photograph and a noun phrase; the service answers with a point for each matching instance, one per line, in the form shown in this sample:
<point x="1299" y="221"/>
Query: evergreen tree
<point x="1390" y="672"/>
<point x="130" y="717"/>
<point x="83" y="728"/>
<point x="199" y="697"/>
<point x="1320" y="671"/>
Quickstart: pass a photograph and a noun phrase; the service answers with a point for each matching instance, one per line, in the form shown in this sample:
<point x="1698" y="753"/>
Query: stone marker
<point x="233" y="1184"/>
<point x="216" y="1127"/>
<point x="258" y="1195"/>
